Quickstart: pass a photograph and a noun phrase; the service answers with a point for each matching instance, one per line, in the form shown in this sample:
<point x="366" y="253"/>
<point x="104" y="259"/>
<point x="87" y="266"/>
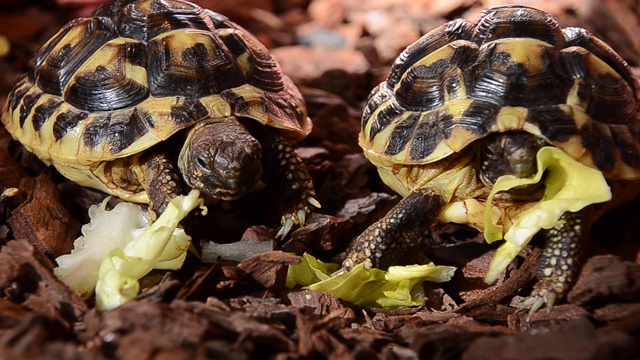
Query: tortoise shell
<point x="513" y="69"/>
<point x="136" y="72"/>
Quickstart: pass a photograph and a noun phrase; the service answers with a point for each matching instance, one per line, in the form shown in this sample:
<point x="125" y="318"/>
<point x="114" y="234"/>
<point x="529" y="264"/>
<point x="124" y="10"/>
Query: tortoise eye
<point x="202" y="163"/>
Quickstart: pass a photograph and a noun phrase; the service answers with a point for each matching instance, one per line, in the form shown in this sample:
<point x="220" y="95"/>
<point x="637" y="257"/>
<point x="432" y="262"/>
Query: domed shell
<point x="513" y="69"/>
<point x="136" y="72"/>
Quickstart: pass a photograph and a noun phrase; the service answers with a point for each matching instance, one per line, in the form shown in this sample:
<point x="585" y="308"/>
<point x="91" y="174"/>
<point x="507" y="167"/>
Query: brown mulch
<point x="336" y="51"/>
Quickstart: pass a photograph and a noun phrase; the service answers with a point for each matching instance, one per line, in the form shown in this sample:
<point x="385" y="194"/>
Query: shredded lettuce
<point x="163" y="245"/>
<point x="399" y="286"/>
<point x="79" y="269"/>
<point x="121" y="245"/>
<point x="569" y="186"/>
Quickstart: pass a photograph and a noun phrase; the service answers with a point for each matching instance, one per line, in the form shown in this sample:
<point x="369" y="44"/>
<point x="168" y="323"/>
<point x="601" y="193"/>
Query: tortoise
<point x="471" y="101"/>
<point x="144" y="98"/>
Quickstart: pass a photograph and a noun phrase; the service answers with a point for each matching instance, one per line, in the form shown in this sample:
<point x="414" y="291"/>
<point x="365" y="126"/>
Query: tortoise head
<point x="221" y="159"/>
<point x="512" y="153"/>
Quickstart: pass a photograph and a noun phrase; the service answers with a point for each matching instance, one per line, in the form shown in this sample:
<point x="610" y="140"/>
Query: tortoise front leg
<point x="160" y="178"/>
<point x="285" y="173"/>
<point x="560" y="261"/>
<point x="382" y="243"/>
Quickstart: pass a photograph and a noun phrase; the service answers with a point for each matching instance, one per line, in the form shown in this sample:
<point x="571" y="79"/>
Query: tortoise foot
<point x="287" y="176"/>
<point x="545" y="292"/>
<point x="560" y="261"/>
<point x="382" y="243"/>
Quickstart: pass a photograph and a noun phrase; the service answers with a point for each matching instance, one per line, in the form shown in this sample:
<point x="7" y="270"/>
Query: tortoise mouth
<point x="220" y="187"/>
<point x="228" y="194"/>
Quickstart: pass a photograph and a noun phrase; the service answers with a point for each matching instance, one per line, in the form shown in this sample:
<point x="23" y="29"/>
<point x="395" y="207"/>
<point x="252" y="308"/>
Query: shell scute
<point x="59" y="59"/>
<point x="124" y="130"/>
<point x="387" y="110"/>
<point x="626" y="141"/>
<point x="599" y="88"/>
<point x="95" y="131"/>
<point x="19" y="90"/>
<point x="513" y="21"/>
<point x="187" y="111"/>
<point x="113" y="78"/>
<point x="424" y="139"/>
<point x="144" y="20"/>
<point x="436" y="78"/>
<point x="194" y="63"/>
<point x="44" y="111"/>
<point x="583" y="39"/>
<point x="401" y="134"/>
<point x="442" y="36"/>
<point x="597" y="138"/>
<point x="67" y="121"/>
<point x="556" y="122"/>
<point x="29" y="101"/>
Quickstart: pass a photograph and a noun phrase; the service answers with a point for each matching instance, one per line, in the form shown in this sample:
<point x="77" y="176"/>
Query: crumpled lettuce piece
<point x="79" y="269"/>
<point x="569" y="186"/>
<point x="399" y="286"/>
<point x="125" y="238"/>
<point x="161" y="246"/>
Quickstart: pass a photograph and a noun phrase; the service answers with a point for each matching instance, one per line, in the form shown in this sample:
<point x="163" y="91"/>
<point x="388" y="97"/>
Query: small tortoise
<point x="470" y="102"/>
<point x="145" y="94"/>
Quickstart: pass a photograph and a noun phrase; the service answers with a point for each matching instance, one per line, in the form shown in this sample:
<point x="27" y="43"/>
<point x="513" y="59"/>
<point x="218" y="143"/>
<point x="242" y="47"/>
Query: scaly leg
<point x="285" y="173"/>
<point x="160" y="178"/>
<point x="383" y="242"/>
<point x="560" y="261"/>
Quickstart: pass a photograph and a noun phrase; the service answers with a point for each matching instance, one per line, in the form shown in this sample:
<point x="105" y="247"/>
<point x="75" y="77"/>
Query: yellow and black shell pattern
<point x="136" y="72"/>
<point x="513" y="69"/>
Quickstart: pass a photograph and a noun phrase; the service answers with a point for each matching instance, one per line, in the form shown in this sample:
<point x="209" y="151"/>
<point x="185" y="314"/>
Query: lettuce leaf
<point x="121" y="245"/>
<point x="569" y="186"/>
<point x="163" y="245"/>
<point x="399" y="286"/>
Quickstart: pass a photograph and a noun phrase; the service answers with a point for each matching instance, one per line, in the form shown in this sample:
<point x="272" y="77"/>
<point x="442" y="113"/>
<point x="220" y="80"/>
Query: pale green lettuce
<point x="162" y="246"/>
<point x="399" y="286"/>
<point x="120" y="246"/>
<point x="569" y="186"/>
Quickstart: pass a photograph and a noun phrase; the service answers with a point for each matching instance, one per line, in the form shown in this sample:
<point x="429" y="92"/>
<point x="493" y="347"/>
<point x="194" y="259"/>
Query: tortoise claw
<point x="302" y="216"/>
<point x="540" y="296"/>
<point x="285" y="228"/>
<point x="298" y="216"/>
<point x="340" y="271"/>
<point x="314" y="202"/>
<point x="533" y="303"/>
